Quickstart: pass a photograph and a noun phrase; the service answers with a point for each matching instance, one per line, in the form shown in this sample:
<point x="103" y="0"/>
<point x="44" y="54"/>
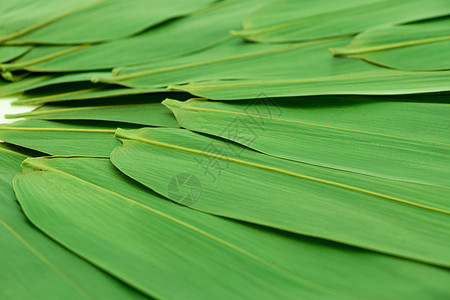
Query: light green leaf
<point x="316" y="201"/>
<point x="374" y="82"/>
<point x="293" y="20"/>
<point x="8" y="53"/>
<point x="63" y="138"/>
<point x="171" y="251"/>
<point x="420" y="46"/>
<point x="402" y="141"/>
<point x="35" y="267"/>
<point x="39" y="54"/>
<point x="179" y="37"/>
<point x="38" y="81"/>
<point x="150" y="113"/>
<point x="111" y="19"/>
<point x="52" y="93"/>
<point x="22" y="16"/>
<point x="236" y="71"/>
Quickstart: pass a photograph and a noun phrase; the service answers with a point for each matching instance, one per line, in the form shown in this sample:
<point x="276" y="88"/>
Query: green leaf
<point x="36" y="267"/>
<point x="39" y="81"/>
<point x="293" y="20"/>
<point x="150" y="114"/>
<point x="374" y="82"/>
<point x="419" y="46"/>
<point x="8" y="53"/>
<point x="63" y="138"/>
<point x="22" y="16"/>
<point x="91" y="95"/>
<point x="111" y="19"/>
<point x="322" y="202"/>
<point x="171" y="251"/>
<point x="179" y="37"/>
<point x="402" y="141"/>
<point x="39" y="54"/>
<point x="236" y="71"/>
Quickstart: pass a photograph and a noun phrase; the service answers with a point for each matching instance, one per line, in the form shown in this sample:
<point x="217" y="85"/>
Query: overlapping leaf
<point x="63" y="138"/>
<point x="292" y="20"/>
<point x="172" y="251"/>
<point x="402" y="141"/>
<point x="297" y="197"/>
<point x="150" y="114"/>
<point x="10" y="52"/>
<point x="22" y="16"/>
<point x="421" y="46"/>
<point x="301" y="69"/>
<point x="34" y="266"/>
<point x="111" y="19"/>
<point x="179" y="37"/>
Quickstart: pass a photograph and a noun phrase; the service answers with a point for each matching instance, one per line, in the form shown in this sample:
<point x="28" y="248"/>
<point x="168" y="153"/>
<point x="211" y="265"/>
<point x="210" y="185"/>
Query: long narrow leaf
<point x="293" y="20"/>
<point x="179" y="37"/>
<point x="22" y="16"/>
<point x="421" y="46"/>
<point x="8" y="53"/>
<point x="112" y="19"/>
<point x="35" y="267"/>
<point x="150" y="114"/>
<point x="403" y="141"/>
<point x="173" y="251"/>
<point x="302" y="198"/>
<point x="63" y="138"/>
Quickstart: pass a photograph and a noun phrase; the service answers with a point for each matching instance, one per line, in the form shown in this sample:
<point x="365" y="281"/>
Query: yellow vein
<point x="21" y="65"/>
<point x="252" y="54"/>
<point x="183" y="105"/>
<point x="182" y="223"/>
<point x="309" y="19"/>
<point x="45" y="261"/>
<point x="5" y="128"/>
<point x="17" y="85"/>
<point x="348" y="51"/>
<point x="318" y="79"/>
<point x="50" y="20"/>
<point x="289" y="173"/>
<point x="52" y="111"/>
<point x="11" y="151"/>
<point x="56" y="96"/>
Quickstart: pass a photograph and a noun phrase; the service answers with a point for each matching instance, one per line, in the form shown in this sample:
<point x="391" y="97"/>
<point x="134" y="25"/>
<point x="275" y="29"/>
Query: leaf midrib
<point x="303" y="123"/>
<point x="41" y="257"/>
<point x="186" y="225"/>
<point x="289" y="173"/>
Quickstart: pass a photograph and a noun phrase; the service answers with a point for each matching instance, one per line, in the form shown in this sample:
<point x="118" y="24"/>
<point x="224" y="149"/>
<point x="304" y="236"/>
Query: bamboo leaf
<point x="34" y="82"/>
<point x="112" y="19"/>
<point x="279" y="71"/>
<point x="8" y="53"/>
<point x="150" y="114"/>
<point x="37" y="55"/>
<point x="52" y="94"/>
<point x="22" y="16"/>
<point x="176" y="38"/>
<point x="375" y="82"/>
<point x="30" y="259"/>
<point x="171" y="251"/>
<point x="402" y="141"/>
<point x="63" y="138"/>
<point x="301" y="198"/>
<point x="420" y="46"/>
<point x="291" y="20"/>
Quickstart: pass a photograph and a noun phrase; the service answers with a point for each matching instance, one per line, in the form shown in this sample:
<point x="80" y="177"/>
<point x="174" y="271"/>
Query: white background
<point x="6" y="108"/>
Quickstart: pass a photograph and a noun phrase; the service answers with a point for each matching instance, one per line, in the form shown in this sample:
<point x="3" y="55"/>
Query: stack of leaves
<point x="326" y="177"/>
